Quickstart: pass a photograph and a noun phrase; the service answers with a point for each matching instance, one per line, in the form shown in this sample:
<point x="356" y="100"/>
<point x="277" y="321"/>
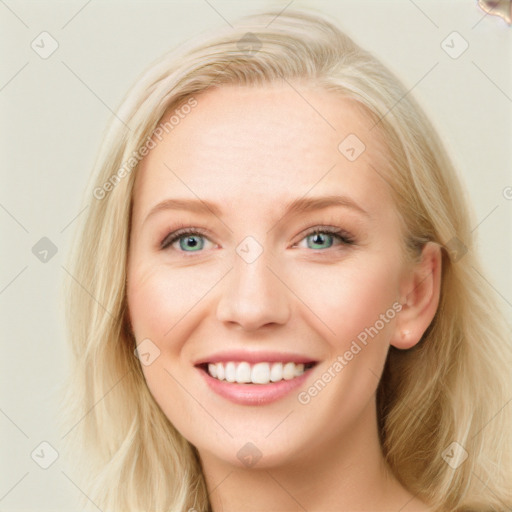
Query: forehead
<point x="255" y="147"/>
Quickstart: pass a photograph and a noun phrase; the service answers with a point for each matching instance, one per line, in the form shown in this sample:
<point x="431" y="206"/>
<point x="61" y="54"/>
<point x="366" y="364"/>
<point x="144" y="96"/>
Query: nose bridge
<point x="252" y="296"/>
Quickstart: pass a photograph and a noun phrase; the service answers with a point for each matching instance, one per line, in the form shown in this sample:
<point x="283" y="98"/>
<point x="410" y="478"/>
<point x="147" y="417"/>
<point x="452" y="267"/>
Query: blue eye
<point x="324" y="237"/>
<point x="193" y="239"/>
<point x="189" y="238"/>
<point x="321" y="238"/>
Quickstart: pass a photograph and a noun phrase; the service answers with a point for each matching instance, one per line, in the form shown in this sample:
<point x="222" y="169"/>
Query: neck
<point x="344" y="473"/>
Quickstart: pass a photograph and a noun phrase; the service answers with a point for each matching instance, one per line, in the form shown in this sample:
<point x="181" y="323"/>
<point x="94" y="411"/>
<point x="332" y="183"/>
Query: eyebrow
<point x="295" y="207"/>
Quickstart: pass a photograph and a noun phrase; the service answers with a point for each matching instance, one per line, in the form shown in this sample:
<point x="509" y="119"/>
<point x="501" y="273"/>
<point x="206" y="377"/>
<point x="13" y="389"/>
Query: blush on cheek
<point x="345" y="304"/>
<point x="155" y="303"/>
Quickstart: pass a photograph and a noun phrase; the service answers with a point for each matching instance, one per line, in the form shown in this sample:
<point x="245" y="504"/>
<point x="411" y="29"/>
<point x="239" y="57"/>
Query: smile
<point x="255" y="378"/>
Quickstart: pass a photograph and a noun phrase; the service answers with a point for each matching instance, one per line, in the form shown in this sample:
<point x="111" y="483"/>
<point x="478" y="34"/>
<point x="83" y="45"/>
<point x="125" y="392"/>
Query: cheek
<point x="354" y="303"/>
<point x="350" y="297"/>
<point x="159" y="297"/>
<point x="160" y="301"/>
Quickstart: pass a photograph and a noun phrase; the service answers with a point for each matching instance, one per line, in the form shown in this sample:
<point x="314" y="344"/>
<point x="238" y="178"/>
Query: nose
<point x="253" y="296"/>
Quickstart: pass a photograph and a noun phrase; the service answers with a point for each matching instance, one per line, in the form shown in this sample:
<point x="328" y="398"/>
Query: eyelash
<point x="180" y="233"/>
<point x="343" y="236"/>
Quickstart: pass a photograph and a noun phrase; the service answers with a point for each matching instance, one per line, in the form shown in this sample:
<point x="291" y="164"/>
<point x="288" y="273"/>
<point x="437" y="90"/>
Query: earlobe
<point x="420" y="294"/>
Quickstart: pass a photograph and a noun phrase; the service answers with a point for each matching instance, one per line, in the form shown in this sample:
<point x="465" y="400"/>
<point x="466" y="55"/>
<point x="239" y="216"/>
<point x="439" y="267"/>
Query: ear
<point x="420" y="292"/>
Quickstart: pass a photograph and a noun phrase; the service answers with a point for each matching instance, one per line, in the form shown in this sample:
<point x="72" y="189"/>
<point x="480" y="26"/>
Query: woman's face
<point x="254" y="290"/>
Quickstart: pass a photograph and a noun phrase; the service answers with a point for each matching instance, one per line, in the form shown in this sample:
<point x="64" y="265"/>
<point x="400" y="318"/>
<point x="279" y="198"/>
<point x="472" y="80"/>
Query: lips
<point x="254" y="378"/>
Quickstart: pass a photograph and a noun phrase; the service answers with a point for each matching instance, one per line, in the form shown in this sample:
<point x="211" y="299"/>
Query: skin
<point x="251" y="150"/>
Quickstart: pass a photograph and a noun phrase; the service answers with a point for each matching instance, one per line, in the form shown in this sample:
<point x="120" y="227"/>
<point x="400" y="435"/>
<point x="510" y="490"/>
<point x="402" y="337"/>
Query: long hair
<point x="446" y="397"/>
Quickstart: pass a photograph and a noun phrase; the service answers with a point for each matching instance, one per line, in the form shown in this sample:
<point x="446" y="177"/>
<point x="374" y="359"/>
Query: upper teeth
<point x="259" y="373"/>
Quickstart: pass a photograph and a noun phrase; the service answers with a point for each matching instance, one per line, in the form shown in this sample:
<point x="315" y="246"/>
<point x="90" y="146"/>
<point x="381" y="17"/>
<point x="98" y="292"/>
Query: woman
<point x="276" y="302"/>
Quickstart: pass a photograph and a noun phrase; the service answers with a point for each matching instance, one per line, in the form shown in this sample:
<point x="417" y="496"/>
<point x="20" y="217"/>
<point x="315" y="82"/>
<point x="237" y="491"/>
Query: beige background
<point x="54" y="112"/>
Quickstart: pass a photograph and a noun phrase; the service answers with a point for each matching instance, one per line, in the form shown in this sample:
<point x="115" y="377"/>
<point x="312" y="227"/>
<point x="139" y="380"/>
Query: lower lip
<point x="254" y="394"/>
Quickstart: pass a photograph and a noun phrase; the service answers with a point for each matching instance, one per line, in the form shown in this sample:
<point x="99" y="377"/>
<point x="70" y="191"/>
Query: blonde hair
<point x="452" y="387"/>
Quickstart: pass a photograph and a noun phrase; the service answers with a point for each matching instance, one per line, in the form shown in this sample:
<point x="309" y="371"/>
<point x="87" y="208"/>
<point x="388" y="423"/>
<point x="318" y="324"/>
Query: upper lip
<point x="255" y="357"/>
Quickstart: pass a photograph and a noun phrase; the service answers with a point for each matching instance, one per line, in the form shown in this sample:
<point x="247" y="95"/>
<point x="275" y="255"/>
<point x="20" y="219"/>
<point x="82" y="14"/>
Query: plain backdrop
<point x="54" y="112"/>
